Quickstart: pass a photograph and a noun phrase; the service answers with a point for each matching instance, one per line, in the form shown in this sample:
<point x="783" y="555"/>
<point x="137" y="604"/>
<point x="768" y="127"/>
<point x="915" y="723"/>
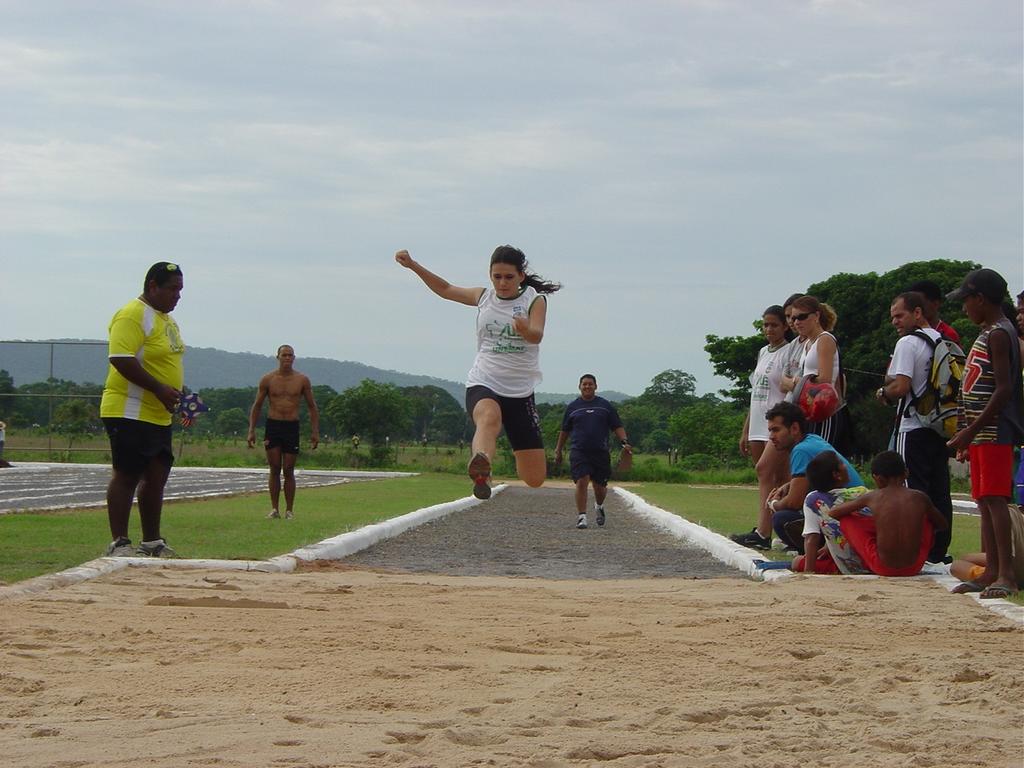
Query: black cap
<point x="986" y="282"/>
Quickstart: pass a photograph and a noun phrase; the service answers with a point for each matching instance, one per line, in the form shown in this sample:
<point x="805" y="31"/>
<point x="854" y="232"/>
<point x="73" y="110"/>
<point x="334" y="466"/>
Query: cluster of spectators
<point x="812" y="498"/>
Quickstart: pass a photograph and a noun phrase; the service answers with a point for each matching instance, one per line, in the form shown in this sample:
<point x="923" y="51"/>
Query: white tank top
<point x="809" y="362"/>
<point x="505" y="362"/>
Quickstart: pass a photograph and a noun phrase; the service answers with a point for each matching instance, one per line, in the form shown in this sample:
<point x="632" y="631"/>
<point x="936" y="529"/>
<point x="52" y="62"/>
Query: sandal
<point x="967" y="586"/>
<point x="996" y="592"/>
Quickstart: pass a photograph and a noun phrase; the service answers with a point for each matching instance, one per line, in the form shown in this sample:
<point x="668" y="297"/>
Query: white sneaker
<point x="157" y="548"/>
<point x="273" y="514"/>
<point x="288" y="515"/>
<point x="122" y="547"/>
<point x="581" y="522"/>
<point x="599" y="511"/>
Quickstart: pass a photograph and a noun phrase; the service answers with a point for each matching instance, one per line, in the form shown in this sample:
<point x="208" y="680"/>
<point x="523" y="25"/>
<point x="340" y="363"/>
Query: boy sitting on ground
<point x="890" y="530"/>
<point x="828" y="479"/>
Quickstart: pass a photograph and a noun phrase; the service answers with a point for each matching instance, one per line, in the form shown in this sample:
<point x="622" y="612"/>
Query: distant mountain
<point x="85" y="361"/>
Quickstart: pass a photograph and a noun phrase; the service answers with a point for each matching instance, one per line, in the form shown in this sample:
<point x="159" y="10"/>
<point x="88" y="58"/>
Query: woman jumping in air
<point x="499" y="388"/>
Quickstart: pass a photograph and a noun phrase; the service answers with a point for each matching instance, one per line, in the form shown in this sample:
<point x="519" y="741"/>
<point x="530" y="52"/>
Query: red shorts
<point x="861" y="534"/>
<point x="991" y="470"/>
<point x="824" y="564"/>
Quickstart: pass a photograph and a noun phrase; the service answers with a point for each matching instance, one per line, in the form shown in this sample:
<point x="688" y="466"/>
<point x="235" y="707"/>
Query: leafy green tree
<point x="371" y="410"/>
<point x="233" y="421"/>
<point x="75" y="418"/>
<point x="734" y="358"/>
<point x="26" y="411"/>
<point x="6" y="388"/>
<point x="434" y="413"/>
<point x="707" y="426"/>
<point x="641" y="419"/>
<point x="322" y="394"/>
<point x="670" y="390"/>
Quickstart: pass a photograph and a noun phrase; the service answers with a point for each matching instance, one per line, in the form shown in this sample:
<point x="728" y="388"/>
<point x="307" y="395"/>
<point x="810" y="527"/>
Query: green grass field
<point x="231" y="528"/>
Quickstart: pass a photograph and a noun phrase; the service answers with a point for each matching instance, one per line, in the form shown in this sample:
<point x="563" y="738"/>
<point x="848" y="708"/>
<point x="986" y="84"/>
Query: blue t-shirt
<point x="589" y="421"/>
<point x="810" y="447"/>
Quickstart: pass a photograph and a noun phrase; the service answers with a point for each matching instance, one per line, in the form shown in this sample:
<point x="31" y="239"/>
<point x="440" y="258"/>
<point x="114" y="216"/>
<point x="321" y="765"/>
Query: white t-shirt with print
<point x="505" y="362"/>
<point x="765" y="388"/>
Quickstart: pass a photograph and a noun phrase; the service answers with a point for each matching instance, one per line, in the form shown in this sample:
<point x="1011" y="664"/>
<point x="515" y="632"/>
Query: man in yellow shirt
<point x="142" y="391"/>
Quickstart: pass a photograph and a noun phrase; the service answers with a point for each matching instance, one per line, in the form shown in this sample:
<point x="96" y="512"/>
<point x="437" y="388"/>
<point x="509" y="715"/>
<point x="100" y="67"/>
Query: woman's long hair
<point x="507" y="254"/>
<point x="826" y="315"/>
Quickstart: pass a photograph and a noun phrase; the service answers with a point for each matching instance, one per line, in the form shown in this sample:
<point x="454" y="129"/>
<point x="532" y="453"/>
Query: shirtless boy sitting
<point x="889" y="529"/>
<point x="285" y="388"/>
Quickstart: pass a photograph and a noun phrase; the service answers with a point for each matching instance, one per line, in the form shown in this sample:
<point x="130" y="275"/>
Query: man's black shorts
<point x="518" y="415"/>
<point x="134" y="443"/>
<point x="597" y="464"/>
<point x="283" y="435"/>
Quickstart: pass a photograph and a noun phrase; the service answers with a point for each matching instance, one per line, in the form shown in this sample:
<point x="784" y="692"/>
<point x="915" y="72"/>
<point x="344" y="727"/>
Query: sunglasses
<point x="803" y="316"/>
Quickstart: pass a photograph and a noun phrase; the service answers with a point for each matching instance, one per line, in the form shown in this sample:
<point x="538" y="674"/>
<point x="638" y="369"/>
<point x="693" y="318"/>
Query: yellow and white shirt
<point x="151" y="337"/>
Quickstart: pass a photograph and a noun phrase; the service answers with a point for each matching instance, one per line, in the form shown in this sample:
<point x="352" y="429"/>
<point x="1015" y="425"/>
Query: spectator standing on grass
<point x="765" y="391"/>
<point x="991" y="423"/>
<point x="787" y="429"/>
<point x="141" y="393"/>
<point x="814" y="321"/>
<point x="3" y="438"/>
<point x="589" y="419"/>
<point x="922" y="448"/>
<point x="932" y="302"/>
<point x="510" y="317"/>
<point x="285" y="388"/>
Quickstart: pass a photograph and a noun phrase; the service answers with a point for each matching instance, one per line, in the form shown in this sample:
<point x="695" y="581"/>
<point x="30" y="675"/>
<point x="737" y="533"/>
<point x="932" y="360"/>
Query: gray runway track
<point x="59" y="486"/>
<point x="531" y="532"/>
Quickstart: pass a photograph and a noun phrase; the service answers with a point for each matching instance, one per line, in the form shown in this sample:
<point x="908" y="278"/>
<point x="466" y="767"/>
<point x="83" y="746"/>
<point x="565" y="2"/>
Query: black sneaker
<point x="600" y="516"/>
<point x="754" y="540"/>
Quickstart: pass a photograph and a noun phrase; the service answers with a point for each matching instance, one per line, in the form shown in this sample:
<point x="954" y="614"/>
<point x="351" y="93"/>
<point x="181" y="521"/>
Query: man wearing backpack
<point x="908" y="378"/>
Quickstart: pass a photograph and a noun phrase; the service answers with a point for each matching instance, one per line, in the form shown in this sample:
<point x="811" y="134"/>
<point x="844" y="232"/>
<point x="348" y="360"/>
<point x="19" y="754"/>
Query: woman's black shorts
<point x="518" y="416"/>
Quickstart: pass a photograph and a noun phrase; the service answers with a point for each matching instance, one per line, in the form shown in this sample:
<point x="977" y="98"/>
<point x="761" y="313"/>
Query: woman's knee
<point x="531" y="466"/>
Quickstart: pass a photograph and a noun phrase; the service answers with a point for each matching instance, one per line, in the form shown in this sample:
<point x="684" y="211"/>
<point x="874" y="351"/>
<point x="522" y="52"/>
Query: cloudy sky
<point x="677" y="165"/>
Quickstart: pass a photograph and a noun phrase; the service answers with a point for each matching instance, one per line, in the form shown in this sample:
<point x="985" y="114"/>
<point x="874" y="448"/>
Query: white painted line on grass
<point x="718" y="546"/>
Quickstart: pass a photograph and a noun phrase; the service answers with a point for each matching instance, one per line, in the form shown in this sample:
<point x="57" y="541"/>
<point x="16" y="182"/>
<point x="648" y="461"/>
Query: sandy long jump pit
<point x="378" y="661"/>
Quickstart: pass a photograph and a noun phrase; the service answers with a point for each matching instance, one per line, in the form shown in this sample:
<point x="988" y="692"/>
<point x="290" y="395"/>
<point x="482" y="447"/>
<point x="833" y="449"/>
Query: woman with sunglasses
<point x="766" y="391"/>
<point x="510" y="317"/>
<point x="814" y="321"/>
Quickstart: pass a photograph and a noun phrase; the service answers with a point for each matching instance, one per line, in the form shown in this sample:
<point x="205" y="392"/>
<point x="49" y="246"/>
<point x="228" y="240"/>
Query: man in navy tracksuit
<point x="589" y="418"/>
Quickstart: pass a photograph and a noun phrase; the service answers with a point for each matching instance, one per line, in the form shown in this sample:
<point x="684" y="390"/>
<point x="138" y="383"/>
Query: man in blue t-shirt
<point x="589" y="418"/>
<point x="787" y="429"/>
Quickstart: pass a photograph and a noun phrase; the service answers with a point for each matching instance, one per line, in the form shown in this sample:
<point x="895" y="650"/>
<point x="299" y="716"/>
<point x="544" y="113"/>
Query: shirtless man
<point x="891" y="528"/>
<point x="285" y="387"/>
